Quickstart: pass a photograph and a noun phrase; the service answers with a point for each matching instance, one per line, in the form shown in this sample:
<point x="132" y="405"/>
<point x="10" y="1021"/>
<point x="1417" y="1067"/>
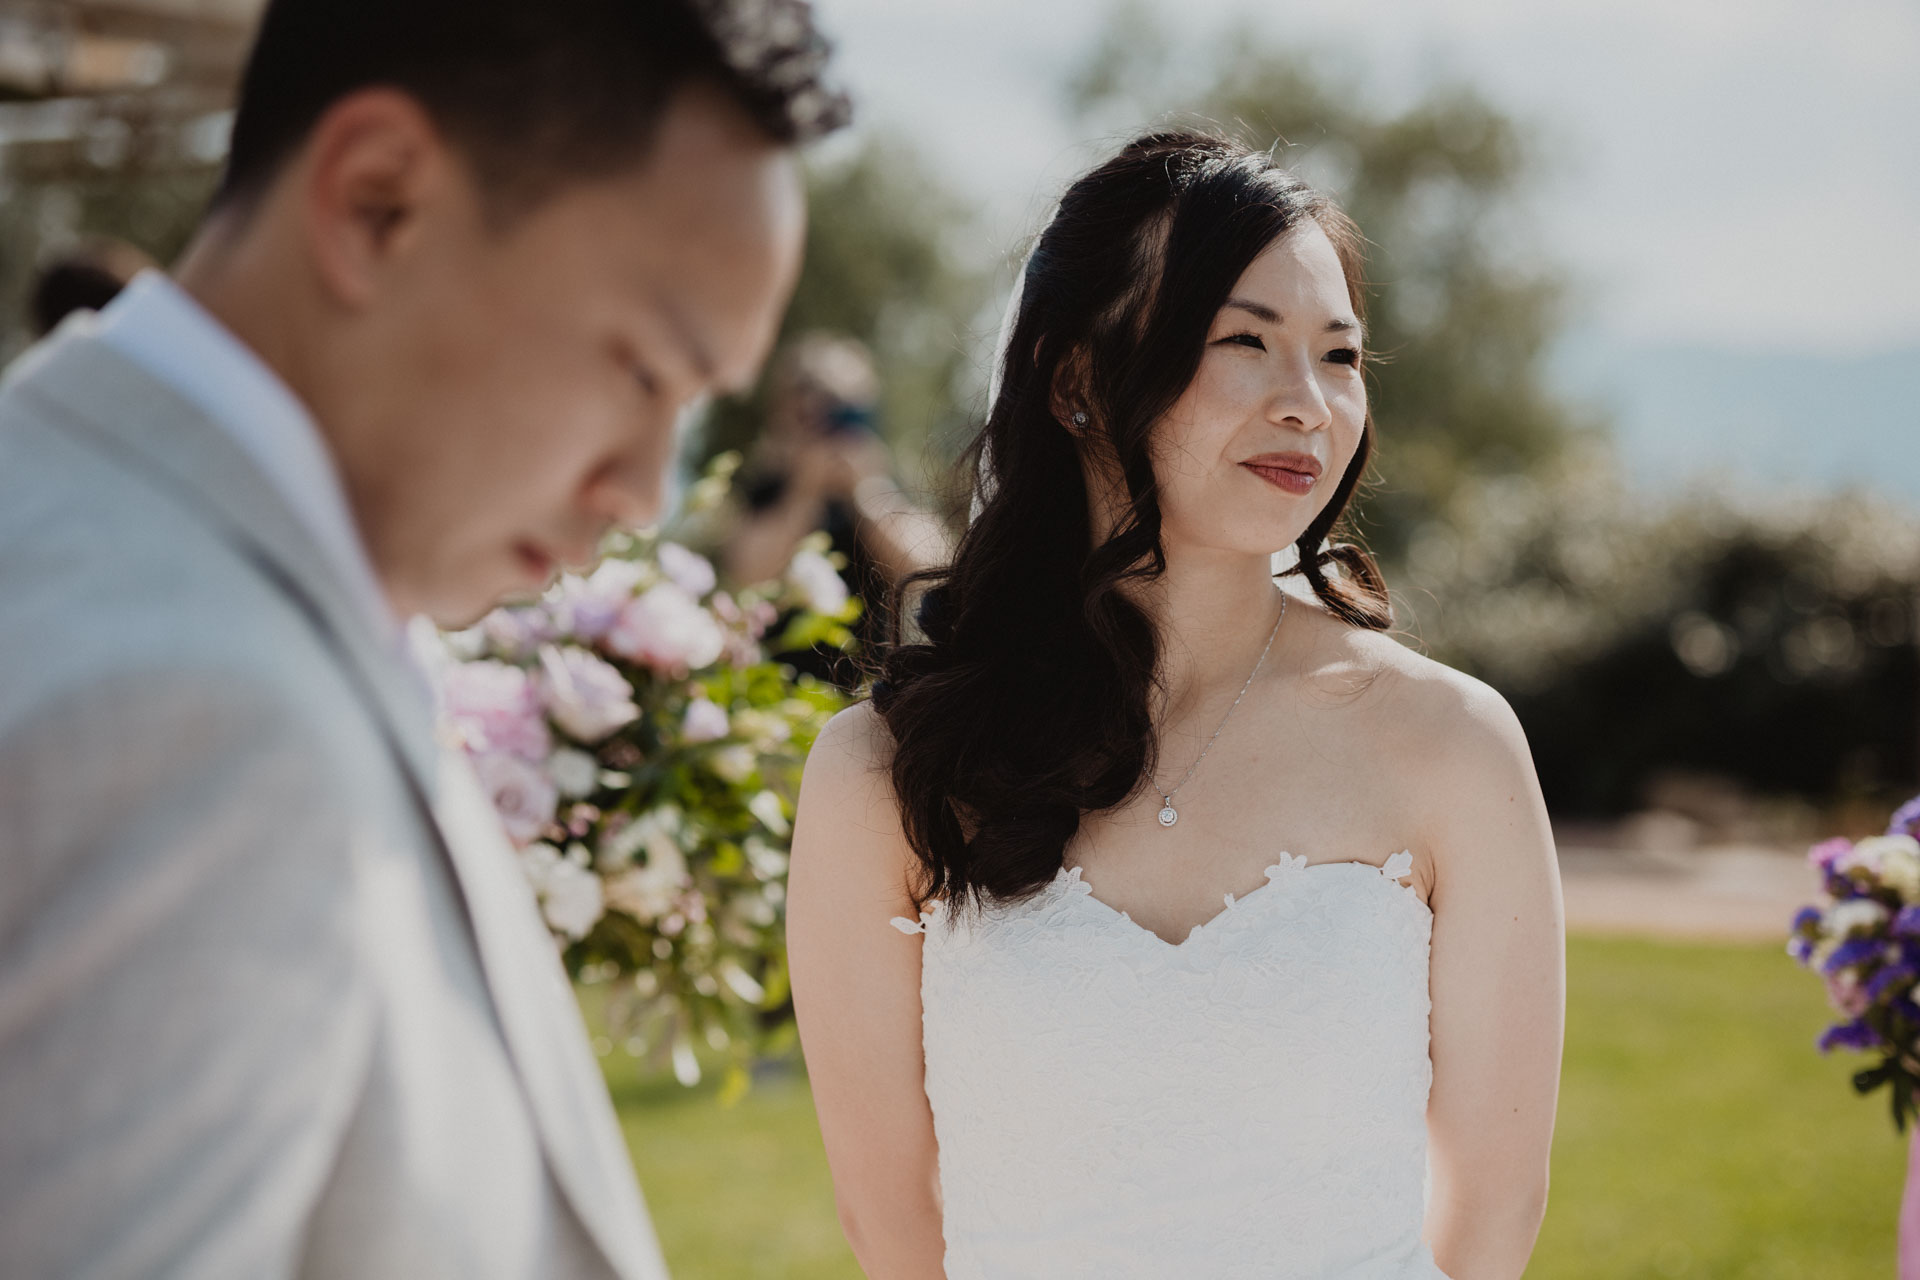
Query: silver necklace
<point x="1168" y="814"/>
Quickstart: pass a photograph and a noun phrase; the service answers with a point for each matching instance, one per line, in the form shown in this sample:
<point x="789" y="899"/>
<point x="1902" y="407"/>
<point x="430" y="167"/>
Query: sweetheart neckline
<point x="1072" y="882"/>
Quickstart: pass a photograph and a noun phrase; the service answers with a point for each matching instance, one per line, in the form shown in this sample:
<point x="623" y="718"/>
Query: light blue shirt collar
<point x="158" y="325"/>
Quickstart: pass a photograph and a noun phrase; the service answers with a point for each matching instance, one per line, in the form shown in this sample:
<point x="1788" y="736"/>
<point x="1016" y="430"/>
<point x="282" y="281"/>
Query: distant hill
<point x="1769" y="417"/>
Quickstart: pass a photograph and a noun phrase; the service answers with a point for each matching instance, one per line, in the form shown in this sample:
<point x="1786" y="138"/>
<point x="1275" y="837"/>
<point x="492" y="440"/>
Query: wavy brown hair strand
<point x="1026" y="700"/>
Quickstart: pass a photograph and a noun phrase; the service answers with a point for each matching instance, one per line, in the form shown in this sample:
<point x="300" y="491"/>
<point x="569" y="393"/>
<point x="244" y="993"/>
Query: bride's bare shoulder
<point x="846" y="823"/>
<point x="1431" y="710"/>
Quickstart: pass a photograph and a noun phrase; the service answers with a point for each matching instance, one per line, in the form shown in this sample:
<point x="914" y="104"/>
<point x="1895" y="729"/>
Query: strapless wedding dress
<point x="1248" y="1102"/>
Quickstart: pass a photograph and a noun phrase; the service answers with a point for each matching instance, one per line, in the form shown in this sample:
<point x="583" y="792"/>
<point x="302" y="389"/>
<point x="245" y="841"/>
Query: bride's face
<point x="1253" y="449"/>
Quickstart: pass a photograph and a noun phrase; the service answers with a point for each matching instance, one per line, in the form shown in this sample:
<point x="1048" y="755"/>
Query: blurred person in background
<point x="821" y="464"/>
<point x="87" y="276"/>
<point x="275" y="997"/>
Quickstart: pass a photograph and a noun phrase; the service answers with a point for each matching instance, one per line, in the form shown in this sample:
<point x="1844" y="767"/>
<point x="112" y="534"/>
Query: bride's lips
<point x="1294" y="472"/>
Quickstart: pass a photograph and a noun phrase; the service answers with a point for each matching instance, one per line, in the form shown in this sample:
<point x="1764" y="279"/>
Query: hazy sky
<point x="1743" y="174"/>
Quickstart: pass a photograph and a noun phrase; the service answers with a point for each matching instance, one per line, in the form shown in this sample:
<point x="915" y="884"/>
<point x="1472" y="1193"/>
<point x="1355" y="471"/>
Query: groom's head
<point x="499" y="247"/>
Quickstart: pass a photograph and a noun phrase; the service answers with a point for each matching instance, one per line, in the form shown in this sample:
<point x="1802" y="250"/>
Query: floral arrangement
<point x="1865" y="941"/>
<point x="644" y="755"/>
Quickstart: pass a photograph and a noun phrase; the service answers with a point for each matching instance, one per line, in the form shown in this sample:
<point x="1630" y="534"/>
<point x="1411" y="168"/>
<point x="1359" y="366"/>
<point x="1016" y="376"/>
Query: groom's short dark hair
<point x="534" y="92"/>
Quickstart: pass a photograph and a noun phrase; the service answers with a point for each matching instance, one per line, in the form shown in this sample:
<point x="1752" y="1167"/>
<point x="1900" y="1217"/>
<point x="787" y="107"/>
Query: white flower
<point x="1872" y="854"/>
<point x="734" y="763"/>
<point x="691" y="570"/>
<point x="705" y="721"/>
<point x="1855" y="913"/>
<point x="821" y="588"/>
<point x="584" y="694"/>
<point x="765" y="806"/>
<point x="668" y="630"/>
<point x="1900" y="868"/>
<point x="648" y="891"/>
<point x="574" y="772"/>
<point x="570" y="896"/>
<point x="521" y="792"/>
<point x="767" y="861"/>
<point x="766" y="730"/>
<point x="515" y="633"/>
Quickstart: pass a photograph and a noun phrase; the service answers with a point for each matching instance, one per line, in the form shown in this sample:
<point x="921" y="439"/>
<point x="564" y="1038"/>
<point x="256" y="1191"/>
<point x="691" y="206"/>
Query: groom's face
<point x="512" y="392"/>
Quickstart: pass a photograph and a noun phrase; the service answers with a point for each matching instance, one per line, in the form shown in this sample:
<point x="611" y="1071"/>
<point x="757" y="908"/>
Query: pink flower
<point x="666" y="629"/>
<point x="689" y="570"/>
<point x="1827" y="852"/>
<point x="521" y="792"/>
<point x="1848" y="995"/>
<point x="584" y="694"/>
<point x="495" y="708"/>
<point x="704" y="721"/>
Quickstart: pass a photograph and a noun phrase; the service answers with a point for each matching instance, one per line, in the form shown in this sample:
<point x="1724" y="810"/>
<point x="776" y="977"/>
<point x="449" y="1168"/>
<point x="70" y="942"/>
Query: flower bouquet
<point x="644" y="755"/>
<point x="1865" y="941"/>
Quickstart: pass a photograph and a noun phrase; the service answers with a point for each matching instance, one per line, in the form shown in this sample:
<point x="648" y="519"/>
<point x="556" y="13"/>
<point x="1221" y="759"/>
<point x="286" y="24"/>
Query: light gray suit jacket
<point x="274" y="997"/>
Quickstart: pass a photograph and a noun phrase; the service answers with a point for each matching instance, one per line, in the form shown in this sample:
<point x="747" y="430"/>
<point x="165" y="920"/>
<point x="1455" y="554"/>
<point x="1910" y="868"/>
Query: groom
<point x="273" y="998"/>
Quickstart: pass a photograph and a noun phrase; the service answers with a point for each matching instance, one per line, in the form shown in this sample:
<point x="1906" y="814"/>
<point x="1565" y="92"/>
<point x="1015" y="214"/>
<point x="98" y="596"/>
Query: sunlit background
<point x="1647" y="289"/>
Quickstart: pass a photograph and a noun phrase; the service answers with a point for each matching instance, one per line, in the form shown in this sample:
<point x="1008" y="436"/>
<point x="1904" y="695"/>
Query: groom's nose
<point x="629" y="488"/>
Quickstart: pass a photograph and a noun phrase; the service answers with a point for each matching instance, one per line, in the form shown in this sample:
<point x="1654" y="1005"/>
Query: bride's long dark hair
<point x="1027" y="704"/>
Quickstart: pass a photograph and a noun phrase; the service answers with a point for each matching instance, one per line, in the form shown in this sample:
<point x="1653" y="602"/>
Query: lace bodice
<point x="1248" y="1102"/>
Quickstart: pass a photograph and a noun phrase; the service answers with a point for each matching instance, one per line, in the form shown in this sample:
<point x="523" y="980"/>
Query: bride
<point x="1160" y="916"/>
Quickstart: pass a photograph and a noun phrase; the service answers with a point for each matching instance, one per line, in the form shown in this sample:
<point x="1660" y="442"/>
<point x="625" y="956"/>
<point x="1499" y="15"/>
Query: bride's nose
<point x="1296" y="398"/>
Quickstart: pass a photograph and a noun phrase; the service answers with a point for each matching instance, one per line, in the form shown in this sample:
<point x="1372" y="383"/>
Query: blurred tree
<point x="882" y="266"/>
<point x="1459" y="323"/>
<point x="1769" y="639"/>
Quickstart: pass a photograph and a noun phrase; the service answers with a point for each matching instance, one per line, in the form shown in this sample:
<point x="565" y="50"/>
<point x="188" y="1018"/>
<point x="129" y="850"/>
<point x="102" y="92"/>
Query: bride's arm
<point x="1498" y="981"/>
<point x="856" y="993"/>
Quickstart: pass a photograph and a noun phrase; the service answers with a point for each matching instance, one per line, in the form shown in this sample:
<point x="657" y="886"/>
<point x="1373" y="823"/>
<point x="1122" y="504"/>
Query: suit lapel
<point x="88" y="388"/>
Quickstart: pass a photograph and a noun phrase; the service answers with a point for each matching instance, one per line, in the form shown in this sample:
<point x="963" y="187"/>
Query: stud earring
<point x="1079" y="419"/>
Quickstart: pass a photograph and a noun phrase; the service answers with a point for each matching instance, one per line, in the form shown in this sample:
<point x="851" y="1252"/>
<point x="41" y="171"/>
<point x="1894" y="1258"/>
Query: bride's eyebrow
<point x="1267" y="315"/>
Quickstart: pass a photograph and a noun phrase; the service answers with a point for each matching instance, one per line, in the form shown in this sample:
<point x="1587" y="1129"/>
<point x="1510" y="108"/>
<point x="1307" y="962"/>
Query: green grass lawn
<point x="1700" y="1135"/>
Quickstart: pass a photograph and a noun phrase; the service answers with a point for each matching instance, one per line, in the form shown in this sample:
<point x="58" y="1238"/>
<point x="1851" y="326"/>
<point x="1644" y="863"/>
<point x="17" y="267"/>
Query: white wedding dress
<point x="1248" y="1102"/>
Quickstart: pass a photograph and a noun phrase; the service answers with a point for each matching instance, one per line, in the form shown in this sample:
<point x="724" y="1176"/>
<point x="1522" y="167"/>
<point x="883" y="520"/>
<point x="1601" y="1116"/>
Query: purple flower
<point x="1852" y="952"/>
<point x="1799" y="948"/>
<point x="1806" y="918"/>
<point x="587" y="607"/>
<point x="495" y="708"/>
<point x="1906" y="819"/>
<point x="584" y="694"/>
<point x="1907" y="923"/>
<point x="1894" y="975"/>
<point x="1847" y="1035"/>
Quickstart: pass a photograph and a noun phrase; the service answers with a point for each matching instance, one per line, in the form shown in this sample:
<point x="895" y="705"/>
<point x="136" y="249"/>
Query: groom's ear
<point x="373" y="164"/>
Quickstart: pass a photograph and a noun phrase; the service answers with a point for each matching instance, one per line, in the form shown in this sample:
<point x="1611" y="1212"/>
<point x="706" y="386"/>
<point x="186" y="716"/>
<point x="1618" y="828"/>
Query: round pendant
<point x="1167" y="816"/>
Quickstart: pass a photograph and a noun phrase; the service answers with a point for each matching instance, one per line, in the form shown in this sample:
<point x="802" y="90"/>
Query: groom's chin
<point x="453" y="602"/>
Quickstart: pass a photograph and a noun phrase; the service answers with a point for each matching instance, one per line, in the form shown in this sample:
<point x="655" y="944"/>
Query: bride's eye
<point x="1345" y="355"/>
<point x="1246" y="339"/>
